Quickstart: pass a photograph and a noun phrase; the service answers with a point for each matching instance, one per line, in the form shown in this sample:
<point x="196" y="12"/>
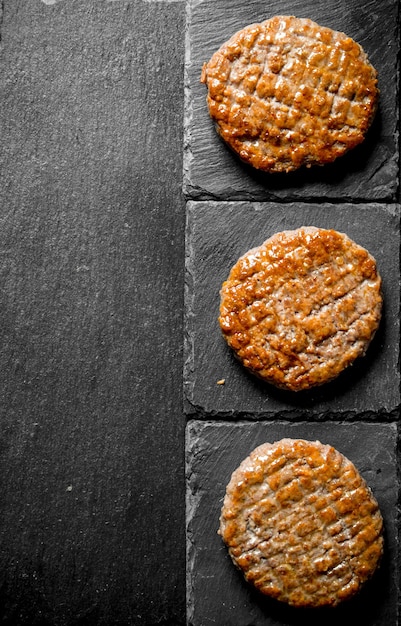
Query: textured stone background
<point x="91" y="292"/>
<point x="92" y="229"/>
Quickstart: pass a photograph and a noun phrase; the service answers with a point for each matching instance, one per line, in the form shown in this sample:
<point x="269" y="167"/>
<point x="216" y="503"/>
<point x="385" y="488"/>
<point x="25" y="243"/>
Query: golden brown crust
<point x="301" y="307"/>
<point x="302" y="524"/>
<point x="288" y="92"/>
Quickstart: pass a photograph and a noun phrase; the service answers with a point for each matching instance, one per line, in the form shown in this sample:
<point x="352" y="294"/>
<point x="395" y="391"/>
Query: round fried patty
<point x="301" y="523"/>
<point x="301" y="307"/>
<point x="288" y="92"/>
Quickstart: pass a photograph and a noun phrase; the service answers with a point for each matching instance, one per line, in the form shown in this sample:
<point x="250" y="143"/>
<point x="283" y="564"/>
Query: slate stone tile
<point x="216" y="591"/>
<point x="217" y="234"/>
<point x="368" y="172"/>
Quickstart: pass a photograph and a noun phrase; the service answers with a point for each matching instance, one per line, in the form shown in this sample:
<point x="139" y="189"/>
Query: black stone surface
<point x="92" y="490"/>
<point x="218" y="233"/>
<point x="217" y="593"/>
<point x="368" y="172"/>
<point x="92" y="216"/>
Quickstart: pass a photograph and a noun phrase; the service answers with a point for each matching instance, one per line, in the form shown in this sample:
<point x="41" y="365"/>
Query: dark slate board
<point x="217" y="593"/>
<point x="217" y="234"/>
<point x="92" y="524"/>
<point x="369" y="172"/>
